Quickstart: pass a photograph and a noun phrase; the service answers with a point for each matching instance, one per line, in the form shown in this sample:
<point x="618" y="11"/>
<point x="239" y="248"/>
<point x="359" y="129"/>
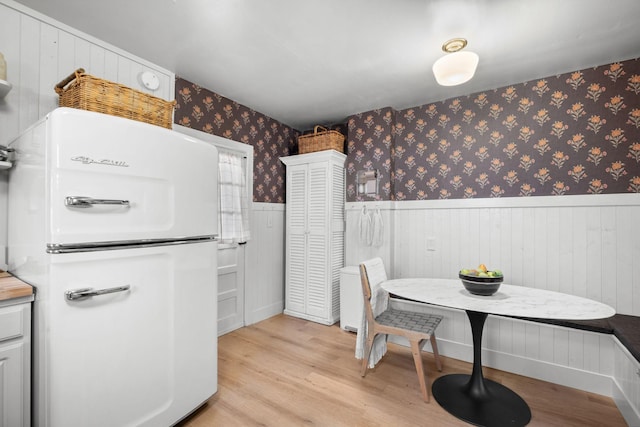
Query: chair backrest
<point x="372" y="273"/>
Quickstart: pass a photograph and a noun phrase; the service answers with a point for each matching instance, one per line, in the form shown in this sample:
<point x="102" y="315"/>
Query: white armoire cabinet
<point x="314" y="235"/>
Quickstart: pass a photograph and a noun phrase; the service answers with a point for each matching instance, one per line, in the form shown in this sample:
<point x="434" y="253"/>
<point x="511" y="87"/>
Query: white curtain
<point x="233" y="218"/>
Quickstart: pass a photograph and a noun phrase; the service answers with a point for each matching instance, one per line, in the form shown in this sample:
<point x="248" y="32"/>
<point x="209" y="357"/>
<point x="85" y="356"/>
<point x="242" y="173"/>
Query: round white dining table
<point x="473" y="398"/>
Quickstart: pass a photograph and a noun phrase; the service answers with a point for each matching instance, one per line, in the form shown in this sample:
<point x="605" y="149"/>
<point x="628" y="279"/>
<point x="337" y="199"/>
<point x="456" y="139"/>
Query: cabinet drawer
<point x="11" y="322"/>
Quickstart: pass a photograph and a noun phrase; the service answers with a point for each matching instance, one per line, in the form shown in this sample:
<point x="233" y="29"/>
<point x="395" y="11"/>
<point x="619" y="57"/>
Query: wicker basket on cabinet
<point x="319" y="141"/>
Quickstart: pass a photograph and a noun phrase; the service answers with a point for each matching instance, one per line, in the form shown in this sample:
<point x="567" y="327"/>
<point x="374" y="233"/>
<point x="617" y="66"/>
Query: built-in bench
<point x="625" y="327"/>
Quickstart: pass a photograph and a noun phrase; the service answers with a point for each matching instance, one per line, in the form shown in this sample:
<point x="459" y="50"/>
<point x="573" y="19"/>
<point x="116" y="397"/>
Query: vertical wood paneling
<point x="565" y="250"/>
<point x="625" y="261"/>
<point x="265" y="264"/>
<point x="48" y="61"/>
<point x="635" y="259"/>
<point x="609" y="254"/>
<point x="546" y="350"/>
<point x="606" y="354"/>
<point x="417" y="246"/>
<point x="447" y="245"/>
<point x="66" y="55"/>
<point x="441" y="227"/>
<point x="519" y="339"/>
<point x="576" y="349"/>
<point x="586" y="250"/>
<point x="551" y="263"/>
<point x="579" y="251"/>
<point x="528" y="248"/>
<point x="517" y="248"/>
<point x="532" y="340"/>
<point x="29" y="73"/>
<point x="593" y="275"/>
<point x="591" y="357"/>
<point x="96" y="60"/>
<point x="540" y="249"/>
<point x="9" y="28"/>
<point x="560" y="346"/>
<point x="506" y="334"/>
<point x="504" y="240"/>
<point x="491" y="333"/>
<point x="110" y="66"/>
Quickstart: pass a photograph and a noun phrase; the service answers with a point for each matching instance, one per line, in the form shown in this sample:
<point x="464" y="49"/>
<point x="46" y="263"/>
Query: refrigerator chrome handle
<point x="83" y="293"/>
<point x="87" y="202"/>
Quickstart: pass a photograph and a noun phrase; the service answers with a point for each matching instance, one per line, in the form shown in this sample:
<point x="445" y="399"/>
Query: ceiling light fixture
<point x="456" y="67"/>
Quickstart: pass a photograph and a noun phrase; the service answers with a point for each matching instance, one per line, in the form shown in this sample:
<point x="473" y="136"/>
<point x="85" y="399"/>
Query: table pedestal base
<point x="473" y="398"/>
<point x="498" y="407"/>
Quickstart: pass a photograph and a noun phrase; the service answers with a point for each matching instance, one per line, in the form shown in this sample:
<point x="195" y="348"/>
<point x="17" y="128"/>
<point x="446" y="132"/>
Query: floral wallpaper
<point x="202" y="109"/>
<point x="575" y="133"/>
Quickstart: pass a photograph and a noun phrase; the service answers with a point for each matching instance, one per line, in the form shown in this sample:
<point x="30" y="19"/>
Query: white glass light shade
<point x="455" y="68"/>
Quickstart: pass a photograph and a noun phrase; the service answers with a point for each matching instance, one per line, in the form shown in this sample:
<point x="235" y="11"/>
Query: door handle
<point x="83" y="293"/>
<point x="87" y="202"/>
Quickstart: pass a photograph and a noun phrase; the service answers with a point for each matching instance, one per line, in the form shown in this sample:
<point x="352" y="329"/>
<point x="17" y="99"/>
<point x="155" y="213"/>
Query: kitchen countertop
<point x="12" y="287"/>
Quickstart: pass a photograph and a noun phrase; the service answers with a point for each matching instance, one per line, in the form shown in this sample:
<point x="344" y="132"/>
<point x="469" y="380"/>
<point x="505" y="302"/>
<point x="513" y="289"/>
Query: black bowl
<point x="483" y="286"/>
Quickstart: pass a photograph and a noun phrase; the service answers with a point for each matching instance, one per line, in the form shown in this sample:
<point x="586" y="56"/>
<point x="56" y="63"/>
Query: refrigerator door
<point x="114" y="179"/>
<point x="142" y="354"/>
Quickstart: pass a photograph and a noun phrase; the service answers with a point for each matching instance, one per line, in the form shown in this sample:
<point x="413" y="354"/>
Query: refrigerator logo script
<point x="107" y="162"/>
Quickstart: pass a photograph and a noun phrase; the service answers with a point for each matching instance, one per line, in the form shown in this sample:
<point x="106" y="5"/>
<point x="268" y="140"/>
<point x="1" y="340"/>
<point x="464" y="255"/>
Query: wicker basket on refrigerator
<point x="86" y="92"/>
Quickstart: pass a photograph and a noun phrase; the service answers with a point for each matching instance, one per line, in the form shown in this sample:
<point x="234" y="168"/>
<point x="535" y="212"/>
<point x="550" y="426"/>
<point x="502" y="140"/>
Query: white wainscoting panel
<point x="264" y="280"/>
<point x="357" y="248"/>
<point x="582" y="249"/>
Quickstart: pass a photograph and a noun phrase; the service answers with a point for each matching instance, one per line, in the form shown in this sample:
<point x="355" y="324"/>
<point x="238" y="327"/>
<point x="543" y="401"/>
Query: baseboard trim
<point x="624" y="406"/>
<point x="264" y="313"/>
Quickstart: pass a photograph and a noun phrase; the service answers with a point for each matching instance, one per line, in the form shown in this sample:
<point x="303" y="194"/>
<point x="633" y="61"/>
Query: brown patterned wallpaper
<point x="575" y="133"/>
<point x="202" y="109"/>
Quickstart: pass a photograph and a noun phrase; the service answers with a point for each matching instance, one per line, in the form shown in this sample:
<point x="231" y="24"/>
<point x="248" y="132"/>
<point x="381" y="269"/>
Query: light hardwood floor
<point x="286" y="371"/>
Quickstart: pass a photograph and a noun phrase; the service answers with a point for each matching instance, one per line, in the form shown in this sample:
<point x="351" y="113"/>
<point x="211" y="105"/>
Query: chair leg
<point x="436" y="355"/>
<point x="367" y="353"/>
<point x="417" y="359"/>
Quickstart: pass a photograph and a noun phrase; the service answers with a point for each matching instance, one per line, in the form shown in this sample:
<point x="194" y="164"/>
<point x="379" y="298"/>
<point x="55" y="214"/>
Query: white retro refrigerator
<point x="114" y="223"/>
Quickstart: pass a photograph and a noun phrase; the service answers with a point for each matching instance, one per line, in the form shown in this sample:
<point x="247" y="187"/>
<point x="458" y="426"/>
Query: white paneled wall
<point x="582" y="245"/>
<point x="40" y="52"/>
<point x="264" y="296"/>
<point x="357" y="248"/>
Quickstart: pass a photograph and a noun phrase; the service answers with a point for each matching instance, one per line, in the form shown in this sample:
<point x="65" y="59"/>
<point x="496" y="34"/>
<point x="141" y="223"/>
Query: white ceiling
<point x="306" y="62"/>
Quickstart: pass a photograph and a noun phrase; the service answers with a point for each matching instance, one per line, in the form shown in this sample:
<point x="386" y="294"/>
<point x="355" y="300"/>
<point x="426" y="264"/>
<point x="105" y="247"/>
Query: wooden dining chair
<point x="416" y="327"/>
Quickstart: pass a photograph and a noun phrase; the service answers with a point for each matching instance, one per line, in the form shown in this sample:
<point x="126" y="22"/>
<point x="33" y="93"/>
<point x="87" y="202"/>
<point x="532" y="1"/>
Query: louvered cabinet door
<point x="296" y="216"/>
<point x="318" y="239"/>
<point x="315" y="235"/>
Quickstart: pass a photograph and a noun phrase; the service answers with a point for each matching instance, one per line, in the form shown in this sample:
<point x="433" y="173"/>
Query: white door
<point x="230" y="287"/>
<point x="231" y="256"/>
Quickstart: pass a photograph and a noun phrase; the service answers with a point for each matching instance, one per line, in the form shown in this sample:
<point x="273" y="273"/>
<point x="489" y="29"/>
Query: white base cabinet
<point x="314" y="235"/>
<point x="15" y="364"/>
